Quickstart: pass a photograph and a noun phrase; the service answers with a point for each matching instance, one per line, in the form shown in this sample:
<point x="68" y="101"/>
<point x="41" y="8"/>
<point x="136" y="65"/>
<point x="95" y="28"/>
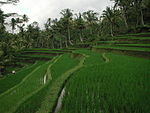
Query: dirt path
<point x="106" y="59"/>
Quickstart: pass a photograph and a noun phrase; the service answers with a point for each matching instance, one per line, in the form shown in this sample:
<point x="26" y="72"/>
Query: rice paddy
<point x="91" y="81"/>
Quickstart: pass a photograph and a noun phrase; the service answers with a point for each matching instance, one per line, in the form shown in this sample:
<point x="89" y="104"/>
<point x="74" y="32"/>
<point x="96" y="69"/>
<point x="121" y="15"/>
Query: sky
<point x="41" y="10"/>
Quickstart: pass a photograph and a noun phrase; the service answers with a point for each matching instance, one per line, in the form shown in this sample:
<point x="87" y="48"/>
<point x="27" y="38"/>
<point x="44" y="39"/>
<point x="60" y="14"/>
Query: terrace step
<point x="51" y="102"/>
<point x="141" y="54"/>
<point x="10" y="82"/>
<point x="28" y="97"/>
<point x="14" y="97"/>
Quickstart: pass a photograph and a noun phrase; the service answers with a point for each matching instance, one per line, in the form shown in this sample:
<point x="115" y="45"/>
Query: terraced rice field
<point x="121" y="47"/>
<point x="12" y="80"/>
<point x="113" y="87"/>
<point x="134" y="45"/>
<point x="26" y="86"/>
<point x="79" y="80"/>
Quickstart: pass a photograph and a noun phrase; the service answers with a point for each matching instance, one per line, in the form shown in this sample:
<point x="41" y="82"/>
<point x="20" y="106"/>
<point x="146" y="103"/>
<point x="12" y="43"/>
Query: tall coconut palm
<point x="67" y="17"/>
<point x="124" y="6"/>
<point x="13" y="24"/>
<point x="25" y="18"/>
<point x="2" y="2"/>
<point x="80" y="24"/>
<point x="139" y="5"/>
<point x="91" y="18"/>
<point x="111" y="15"/>
<point x="2" y="20"/>
<point x="49" y="33"/>
<point x="59" y="30"/>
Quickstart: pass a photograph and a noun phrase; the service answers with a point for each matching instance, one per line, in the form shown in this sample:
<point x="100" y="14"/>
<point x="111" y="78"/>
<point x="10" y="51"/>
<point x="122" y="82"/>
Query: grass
<point x="35" y="56"/>
<point x="43" y="49"/>
<point x="139" y="45"/>
<point x="124" y="48"/>
<point x="132" y="37"/>
<point x="27" y="51"/>
<point x="140" y="38"/>
<point x="10" y="100"/>
<point x="91" y="55"/>
<point x="48" y="94"/>
<point x="138" y="34"/>
<point x="119" y="86"/>
<point x="12" y="80"/>
<point x="120" y="42"/>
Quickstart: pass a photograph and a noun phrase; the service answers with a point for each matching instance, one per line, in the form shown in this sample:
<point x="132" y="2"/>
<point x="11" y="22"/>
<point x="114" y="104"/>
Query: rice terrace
<point x="82" y="61"/>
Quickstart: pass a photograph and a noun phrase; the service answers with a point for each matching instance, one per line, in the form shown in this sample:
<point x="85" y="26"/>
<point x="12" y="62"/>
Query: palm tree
<point x="67" y="17"/>
<point x="13" y="24"/>
<point x="91" y="18"/>
<point x="49" y="33"/>
<point x="59" y="31"/>
<point x="25" y="18"/>
<point x="139" y="5"/>
<point x="111" y="15"/>
<point x="80" y="24"/>
<point x="124" y="6"/>
<point x="32" y="34"/>
<point x="2" y="20"/>
<point x="2" y="2"/>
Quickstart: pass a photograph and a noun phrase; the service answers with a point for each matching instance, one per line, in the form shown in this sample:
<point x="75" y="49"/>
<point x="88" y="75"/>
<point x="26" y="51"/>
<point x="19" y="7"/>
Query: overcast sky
<point x="40" y="10"/>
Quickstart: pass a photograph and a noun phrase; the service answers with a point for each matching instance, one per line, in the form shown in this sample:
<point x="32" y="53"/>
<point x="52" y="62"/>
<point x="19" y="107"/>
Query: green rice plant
<point x="12" y="80"/>
<point x="137" y="45"/>
<point x="124" y="48"/>
<point x="62" y="65"/>
<point x="132" y="37"/>
<point x="93" y="58"/>
<point x="41" y="49"/>
<point x="34" y="56"/>
<point x="33" y="103"/>
<point x="38" y="99"/>
<point x="27" y="51"/>
<point x="118" y="86"/>
<point x="12" y="98"/>
<point x="138" y="34"/>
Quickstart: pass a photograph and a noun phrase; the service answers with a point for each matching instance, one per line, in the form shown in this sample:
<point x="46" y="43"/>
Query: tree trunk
<point x="60" y="44"/>
<point x="137" y="20"/>
<point x="142" y="18"/>
<point x="111" y="30"/>
<point x="125" y="19"/>
<point x="42" y="43"/>
<point x="47" y="43"/>
<point x="0" y="73"/>
<point x="12" y="31"/>
<point x="69" y="36"/>
<point x="66" y="44"/>
<point x="81" y="36"/>
<point x="52" y="44"/>
<point x="91" y="31"/>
